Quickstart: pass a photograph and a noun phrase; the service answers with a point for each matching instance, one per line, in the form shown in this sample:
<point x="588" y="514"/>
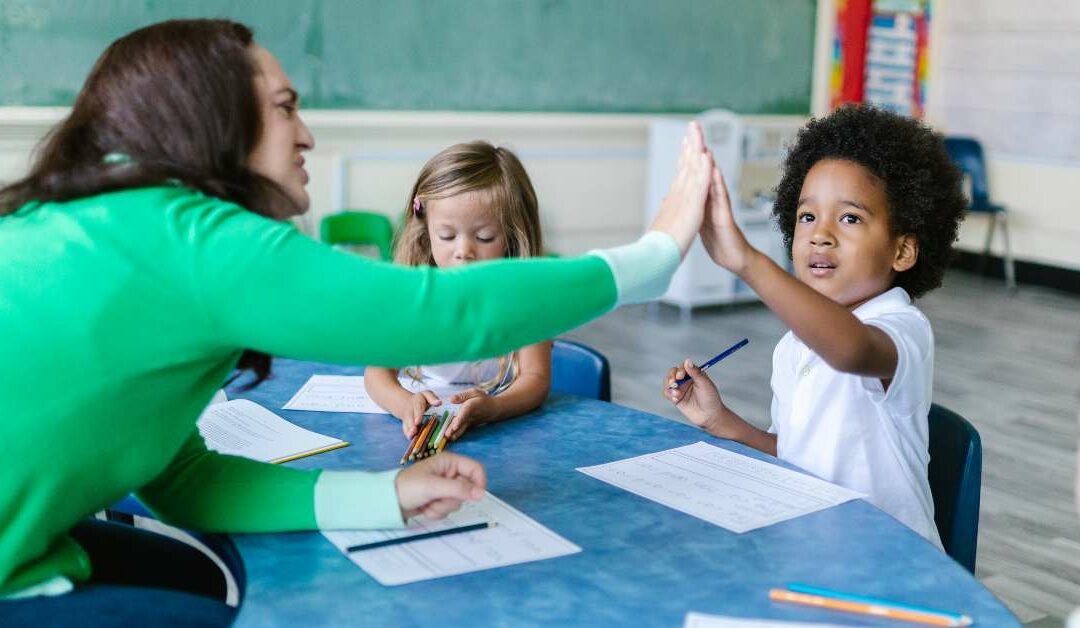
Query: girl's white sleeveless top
<point x="471" y="373"/>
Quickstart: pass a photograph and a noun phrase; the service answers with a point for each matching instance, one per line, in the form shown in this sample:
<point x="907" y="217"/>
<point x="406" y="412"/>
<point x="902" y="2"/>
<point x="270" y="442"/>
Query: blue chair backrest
<point x="967" y="154"/>
<point x="955" y="481"/>
<point x="580" y="370"/>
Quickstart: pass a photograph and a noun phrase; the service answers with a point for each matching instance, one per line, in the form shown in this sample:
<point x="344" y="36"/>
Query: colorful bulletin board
<point x="880" y="54"/>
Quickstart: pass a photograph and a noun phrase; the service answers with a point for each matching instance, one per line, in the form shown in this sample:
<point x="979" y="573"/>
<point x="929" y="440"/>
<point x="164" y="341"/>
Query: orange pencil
<point x="424" y="434"/>
<point x="877" y="608"/>
<point x="408" y="450"/>
<point x="412" y="444"/>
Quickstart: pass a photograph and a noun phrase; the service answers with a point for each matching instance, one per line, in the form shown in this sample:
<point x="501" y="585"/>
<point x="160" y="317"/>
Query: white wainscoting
<point x="588" y="169"/>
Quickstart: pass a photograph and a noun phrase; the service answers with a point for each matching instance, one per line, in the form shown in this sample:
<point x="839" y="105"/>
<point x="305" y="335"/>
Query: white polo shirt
<point x="848" y="430"/>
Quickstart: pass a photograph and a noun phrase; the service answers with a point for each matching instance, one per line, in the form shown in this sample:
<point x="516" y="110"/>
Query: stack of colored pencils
<point x="430" y="437"/>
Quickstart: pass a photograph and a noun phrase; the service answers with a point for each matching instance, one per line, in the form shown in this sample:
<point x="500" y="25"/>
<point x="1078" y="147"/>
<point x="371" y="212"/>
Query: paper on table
<point x="346" y="393"/>
<point x="701" y="620"/>
<point x="722" y="487"/>
<point x="244" y="428"/>
<point x="333" y="393"/>
<point x="515" y="539"/>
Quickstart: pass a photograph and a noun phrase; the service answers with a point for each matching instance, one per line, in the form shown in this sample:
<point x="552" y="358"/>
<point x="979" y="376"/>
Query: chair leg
<point x="685" y="314"/>
<point x="986" y="246"/>
<point x="1010" y="267"/>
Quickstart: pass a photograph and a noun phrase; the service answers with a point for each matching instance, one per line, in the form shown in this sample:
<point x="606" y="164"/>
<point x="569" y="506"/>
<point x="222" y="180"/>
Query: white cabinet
<point x="699" y="281"/>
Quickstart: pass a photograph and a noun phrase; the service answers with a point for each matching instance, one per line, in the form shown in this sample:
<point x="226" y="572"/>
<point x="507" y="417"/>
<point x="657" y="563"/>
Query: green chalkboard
<point x="751" y="56"/>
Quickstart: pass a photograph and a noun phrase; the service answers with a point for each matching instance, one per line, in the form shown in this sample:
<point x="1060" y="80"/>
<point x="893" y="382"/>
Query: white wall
<point x="588" y="169"/>
<point x="1041" y="197"/>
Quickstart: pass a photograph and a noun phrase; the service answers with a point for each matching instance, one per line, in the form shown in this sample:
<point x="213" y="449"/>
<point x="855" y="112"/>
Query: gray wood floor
<point x="1007" y="362"/>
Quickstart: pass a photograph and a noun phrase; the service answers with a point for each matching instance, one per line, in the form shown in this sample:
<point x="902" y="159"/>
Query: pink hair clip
<point x="417" y="206"/>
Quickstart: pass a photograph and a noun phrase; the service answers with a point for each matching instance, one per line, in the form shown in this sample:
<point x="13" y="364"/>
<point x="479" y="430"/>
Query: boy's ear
<point x="907" y="252"/>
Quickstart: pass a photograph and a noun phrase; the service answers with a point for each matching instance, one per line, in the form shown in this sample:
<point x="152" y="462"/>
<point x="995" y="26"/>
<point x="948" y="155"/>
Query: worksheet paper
<point x="701" y="620"/>
<point x="346" y="393"/>
<point x="244" y="428"/>
<point x="722" y="487"/>
<point x="514" y="539"/>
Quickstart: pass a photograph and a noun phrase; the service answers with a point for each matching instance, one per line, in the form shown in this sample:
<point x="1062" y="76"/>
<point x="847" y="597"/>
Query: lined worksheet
<point x="515" y="538"/>
<point x="346" y="393"/>
<point x="244" y="428"/>
<point x="722" y="487"/>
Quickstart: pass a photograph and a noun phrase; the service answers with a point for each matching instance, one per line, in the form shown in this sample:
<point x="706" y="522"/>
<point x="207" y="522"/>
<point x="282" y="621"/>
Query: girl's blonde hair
<point x="498" y="177"/>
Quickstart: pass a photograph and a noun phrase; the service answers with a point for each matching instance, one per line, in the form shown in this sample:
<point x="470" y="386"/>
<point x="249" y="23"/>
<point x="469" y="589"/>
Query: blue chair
<point x="219" y="544"/>
<point x="967" y="154"/>
<point x="580" y="370"/>
<point x="955" y="480"/>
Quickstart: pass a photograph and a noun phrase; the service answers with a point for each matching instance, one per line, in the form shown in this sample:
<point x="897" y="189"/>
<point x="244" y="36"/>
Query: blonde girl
<point x="472" y="202"/>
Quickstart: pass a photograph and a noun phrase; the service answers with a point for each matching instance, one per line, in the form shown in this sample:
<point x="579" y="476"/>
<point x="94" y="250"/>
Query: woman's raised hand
<point x="683" y="209"/>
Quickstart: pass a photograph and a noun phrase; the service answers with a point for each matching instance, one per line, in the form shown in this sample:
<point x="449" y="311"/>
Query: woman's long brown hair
<point x="175" y="101"/>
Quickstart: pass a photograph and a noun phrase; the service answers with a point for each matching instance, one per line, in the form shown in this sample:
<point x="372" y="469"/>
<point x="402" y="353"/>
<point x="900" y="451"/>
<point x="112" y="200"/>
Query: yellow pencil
<point x="877" y="608"/>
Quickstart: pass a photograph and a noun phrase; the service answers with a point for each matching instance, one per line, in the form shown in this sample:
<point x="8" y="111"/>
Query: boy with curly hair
<point x="869" y="206"/>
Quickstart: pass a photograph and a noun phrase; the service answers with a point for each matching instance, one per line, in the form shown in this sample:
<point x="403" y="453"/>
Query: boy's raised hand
<point x="698" y="399"/>
<point x="720" y="234"/>
<point x="683" y="209"/>
<point x="436" y="486"/>
<point x="418" y="405"/>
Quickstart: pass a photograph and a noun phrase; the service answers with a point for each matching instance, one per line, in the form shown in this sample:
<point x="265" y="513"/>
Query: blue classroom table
<point x="642" y="563"/>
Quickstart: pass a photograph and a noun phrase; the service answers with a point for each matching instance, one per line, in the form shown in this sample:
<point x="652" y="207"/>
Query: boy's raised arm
<point x="828" y="328"/>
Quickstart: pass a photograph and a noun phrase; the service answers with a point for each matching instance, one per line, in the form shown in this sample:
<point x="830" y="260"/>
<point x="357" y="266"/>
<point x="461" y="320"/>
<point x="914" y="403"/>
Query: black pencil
<point x="419" y="537"/>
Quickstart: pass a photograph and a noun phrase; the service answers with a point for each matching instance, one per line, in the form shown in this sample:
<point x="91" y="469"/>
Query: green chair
<point x="358" y="228"/>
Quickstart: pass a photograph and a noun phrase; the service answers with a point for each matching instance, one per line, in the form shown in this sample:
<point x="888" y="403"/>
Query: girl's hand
<point x="683" y="209"/>
<point x="414" y="412"/>
<point x="476" y="407"/>
<point x="436" y="486"/>
<point x="698" y="399"/>
<point x="720" y="234"/>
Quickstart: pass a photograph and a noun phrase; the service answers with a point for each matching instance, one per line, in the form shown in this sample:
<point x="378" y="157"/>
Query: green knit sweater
<point x="121" y="314"/>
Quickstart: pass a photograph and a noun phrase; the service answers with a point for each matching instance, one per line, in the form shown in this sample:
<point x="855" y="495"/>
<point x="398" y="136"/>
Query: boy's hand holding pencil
<point x="696" y="396"/>
<point x="697" y="399"/>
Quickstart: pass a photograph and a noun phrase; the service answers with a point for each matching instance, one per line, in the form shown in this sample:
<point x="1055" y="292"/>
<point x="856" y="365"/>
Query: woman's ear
<point x="907" y="253"/>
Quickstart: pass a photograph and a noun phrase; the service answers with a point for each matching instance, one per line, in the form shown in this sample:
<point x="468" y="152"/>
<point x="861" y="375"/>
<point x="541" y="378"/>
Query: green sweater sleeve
<point x="204" y="490"/>
<point x="268" y="287"/>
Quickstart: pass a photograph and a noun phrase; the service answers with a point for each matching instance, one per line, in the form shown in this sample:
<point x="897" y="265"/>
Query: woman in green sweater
<point x="145" y="257"/>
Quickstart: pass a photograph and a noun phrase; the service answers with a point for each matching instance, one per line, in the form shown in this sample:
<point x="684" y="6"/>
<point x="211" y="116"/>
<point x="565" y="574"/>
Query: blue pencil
<point x="704" y="367"/>
<point x="960" y="618"/>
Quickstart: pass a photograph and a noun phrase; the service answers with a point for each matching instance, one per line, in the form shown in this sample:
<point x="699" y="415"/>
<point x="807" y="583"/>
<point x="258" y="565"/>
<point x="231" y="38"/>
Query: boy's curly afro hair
<point x="922" y="185"/>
